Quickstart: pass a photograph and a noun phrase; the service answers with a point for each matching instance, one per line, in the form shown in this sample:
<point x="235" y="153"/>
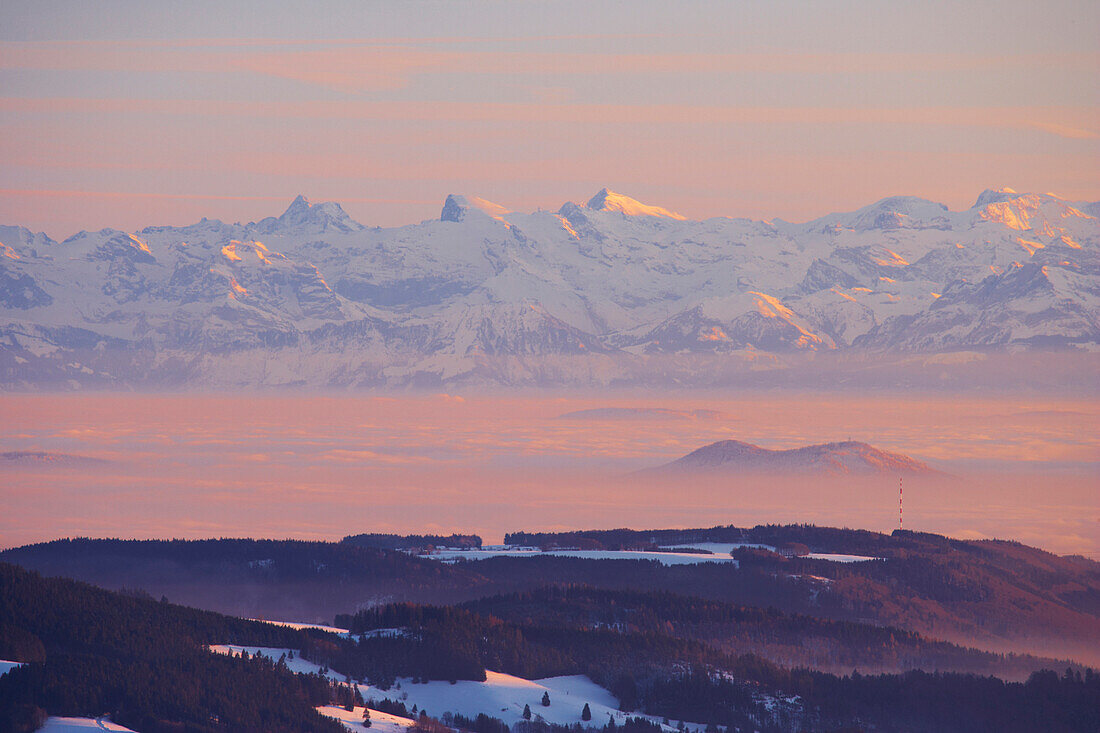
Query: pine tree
<point x="366" y="718"/>
<point x="526" y="712"/>
<point x="586" y="714"/>
<point x="546" y="699"/>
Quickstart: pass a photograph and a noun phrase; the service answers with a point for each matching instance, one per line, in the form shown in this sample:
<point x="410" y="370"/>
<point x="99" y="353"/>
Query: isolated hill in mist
<point x="848" y="457"/>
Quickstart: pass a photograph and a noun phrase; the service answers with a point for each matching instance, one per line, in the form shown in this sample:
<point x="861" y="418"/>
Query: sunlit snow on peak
<point x="607" y="200"/>
<point x="456" y="206"/>
<point x="141" y="245"/>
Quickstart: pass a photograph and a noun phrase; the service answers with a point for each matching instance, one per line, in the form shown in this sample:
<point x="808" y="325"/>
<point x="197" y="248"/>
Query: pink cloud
<point x="386" y="63"/>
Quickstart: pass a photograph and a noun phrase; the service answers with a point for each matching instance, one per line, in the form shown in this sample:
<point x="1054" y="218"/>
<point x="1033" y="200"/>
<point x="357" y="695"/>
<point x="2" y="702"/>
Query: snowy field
<point x="6" y="666"/>
<point x="724" y="548"/>
<point x="720" y="552"/>
<point x="504" y="696"/>
<point x="499" y="696"/>
<point x="76" y="725"/>
<point x="665" y="558"/>
<point x="379" y="722"/>
<point x="840" y="558"/>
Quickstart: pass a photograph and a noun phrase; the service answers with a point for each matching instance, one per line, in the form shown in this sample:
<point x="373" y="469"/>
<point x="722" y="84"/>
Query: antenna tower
<point x="901" y="514"/>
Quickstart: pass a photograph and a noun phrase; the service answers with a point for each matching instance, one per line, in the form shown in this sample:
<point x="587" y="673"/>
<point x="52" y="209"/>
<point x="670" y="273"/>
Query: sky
<point x="129" y="114"/>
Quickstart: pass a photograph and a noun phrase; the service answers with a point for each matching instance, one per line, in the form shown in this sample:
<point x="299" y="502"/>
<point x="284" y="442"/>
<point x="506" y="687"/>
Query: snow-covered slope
<point x="504" y="696"/>
<point x="80" y="725"/>
<point x="600" y="293"/>
<point x="379" y="722"/>
<point x="500" y="696"/>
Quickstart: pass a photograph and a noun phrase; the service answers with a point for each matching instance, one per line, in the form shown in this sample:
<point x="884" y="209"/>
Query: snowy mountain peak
<point x="608" y="200"/>
<point x="728" y="299"/>
<point x="456" y="206"/>
<point x="302" y="216"/>
<point x="993" y="196"/>
<point x="297" y="207"/>
<point x="894" y="212"/>
<point x="1042" y="212"/>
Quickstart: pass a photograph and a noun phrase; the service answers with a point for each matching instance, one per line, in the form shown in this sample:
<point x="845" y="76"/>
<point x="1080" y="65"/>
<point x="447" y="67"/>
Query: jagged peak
<point x="299" y="203"/>
<point x="608" y="200"/>
<point x="301" y="207"/>
<point x="456" y="206"/>
<point x="323" y="215"/>
<point x="570" y="209"/>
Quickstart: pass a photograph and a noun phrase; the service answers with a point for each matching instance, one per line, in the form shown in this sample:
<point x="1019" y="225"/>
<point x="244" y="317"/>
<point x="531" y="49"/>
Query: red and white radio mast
<point x="901" y="514"/>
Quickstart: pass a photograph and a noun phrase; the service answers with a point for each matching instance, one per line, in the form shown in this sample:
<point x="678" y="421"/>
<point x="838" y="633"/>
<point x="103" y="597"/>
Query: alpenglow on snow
<point x="610" y="292"/>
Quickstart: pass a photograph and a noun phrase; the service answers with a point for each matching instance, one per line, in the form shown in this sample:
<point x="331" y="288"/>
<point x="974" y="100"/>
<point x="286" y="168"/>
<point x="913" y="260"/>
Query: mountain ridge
<point x="584" y="295"/>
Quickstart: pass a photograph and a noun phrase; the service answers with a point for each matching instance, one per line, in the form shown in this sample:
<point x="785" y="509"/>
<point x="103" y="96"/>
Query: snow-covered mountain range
<point x="837" y="459"/>
<point x="592" y="294"/>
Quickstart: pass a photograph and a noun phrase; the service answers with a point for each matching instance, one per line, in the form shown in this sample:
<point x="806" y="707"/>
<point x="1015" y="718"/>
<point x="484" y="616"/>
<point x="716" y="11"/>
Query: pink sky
<point x="130" y="116"/>
<point x="324" y="466"/>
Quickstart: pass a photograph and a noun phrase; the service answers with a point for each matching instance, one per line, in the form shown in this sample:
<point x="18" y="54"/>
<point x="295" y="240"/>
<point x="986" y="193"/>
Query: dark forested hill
<point x="275" y="579"/>
<point x="92" y="652"/>
<point x="678" y="678"/>
<point x="993" y="595"/>
<point x="791" y="640"/>
<point x="411" y="541"/>
<point x="996" y="594"/>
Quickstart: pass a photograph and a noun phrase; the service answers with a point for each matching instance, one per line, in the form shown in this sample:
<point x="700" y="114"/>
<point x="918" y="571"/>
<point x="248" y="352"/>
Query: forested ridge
<point x="1003" y="593"/>
<point x="143" y="661"/>
<point x="281" y="579"/>
<point x="411" y="541"/>
<point x="784" y="638"/>
<point x="994" y="595"/>
<point x="91" y="652"/>
<point x="659" y="674"/>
